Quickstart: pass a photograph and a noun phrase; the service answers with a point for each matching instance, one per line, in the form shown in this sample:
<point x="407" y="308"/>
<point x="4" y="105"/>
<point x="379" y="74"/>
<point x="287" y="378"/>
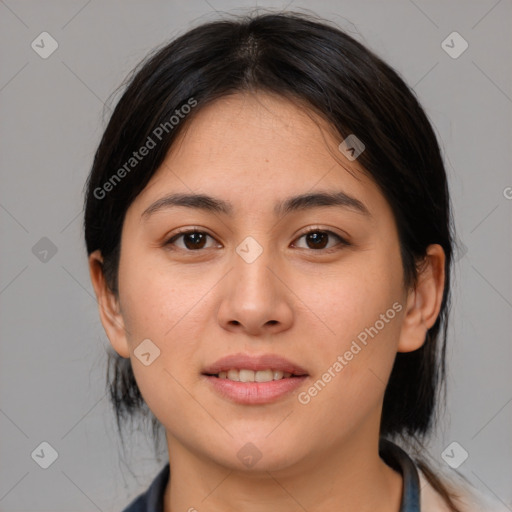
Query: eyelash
<point x="342" y="242"/>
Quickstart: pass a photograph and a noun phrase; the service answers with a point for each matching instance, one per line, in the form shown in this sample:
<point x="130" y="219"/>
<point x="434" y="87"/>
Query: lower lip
<point x="254" y="393"/>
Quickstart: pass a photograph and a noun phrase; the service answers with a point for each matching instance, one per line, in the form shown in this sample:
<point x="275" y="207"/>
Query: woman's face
<point x="253" y="285"/>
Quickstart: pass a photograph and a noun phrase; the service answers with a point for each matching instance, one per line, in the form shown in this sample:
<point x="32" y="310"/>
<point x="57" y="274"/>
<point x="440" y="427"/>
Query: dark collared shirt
<point x="153" y="499"/>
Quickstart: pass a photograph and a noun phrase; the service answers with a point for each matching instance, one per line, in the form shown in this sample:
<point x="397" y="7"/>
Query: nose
<point x="256" y="299"/>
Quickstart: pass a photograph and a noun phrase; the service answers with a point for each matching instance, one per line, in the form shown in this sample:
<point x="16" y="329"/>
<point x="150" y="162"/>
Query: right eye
<point x="193" y="240"/>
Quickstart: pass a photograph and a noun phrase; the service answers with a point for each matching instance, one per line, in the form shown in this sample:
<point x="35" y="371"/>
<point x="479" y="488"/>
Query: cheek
<point x="161" y="307"/>
<point x="364" y="326"/>
<point x="353" y="296"/>
<point x="154" y="299"/>
<point x="360" y="307"/>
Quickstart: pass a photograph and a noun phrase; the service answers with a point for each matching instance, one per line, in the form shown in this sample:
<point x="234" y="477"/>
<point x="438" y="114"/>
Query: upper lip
<point x="254" y="362"/>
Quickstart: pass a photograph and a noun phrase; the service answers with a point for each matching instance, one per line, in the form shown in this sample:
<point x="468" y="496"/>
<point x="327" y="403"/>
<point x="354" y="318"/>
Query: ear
<point x="423" y="301"/>
<point x="109" y="308"/>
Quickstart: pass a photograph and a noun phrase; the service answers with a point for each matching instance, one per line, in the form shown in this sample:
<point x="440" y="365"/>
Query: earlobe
<point x="108" y="305"/>
<point x="424" y="300"/>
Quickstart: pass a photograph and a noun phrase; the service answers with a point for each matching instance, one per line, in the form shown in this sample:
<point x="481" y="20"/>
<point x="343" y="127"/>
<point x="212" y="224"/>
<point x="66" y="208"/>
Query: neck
<point x="351" y="477"/>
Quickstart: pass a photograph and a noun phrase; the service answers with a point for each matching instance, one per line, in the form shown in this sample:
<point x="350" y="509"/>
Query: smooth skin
<point x="199" y="301"/>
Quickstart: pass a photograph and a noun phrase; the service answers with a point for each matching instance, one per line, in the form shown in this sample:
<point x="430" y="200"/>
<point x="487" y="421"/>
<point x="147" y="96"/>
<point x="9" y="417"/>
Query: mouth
<point x="251" y="380"/>
<point x="246" y="375"/>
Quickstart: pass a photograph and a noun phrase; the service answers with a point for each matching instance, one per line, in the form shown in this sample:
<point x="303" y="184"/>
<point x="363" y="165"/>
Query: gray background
<point x="53" y="359"/>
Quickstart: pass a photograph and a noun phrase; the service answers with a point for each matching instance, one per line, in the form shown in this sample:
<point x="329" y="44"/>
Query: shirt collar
<point x="398" y="459"/>
<point x="153" y="499"/>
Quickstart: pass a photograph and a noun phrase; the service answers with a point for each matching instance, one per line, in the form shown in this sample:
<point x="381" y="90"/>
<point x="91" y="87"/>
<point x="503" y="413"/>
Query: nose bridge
<point x="250" y="250"/>
<point x="251" y="266"/>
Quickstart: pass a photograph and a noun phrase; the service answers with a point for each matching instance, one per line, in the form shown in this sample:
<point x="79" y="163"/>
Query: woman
<point x="270" y="241"/>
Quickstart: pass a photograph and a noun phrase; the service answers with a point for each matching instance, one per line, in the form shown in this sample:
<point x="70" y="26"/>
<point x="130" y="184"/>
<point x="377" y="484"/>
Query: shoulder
<point x="468" y="498"/>
<point x="152" y="499"/>
<point x="139" y="504"/>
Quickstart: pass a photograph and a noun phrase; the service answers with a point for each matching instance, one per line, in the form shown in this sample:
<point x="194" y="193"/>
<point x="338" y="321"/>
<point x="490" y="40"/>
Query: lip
<point x="254" y="362"/>
<point x="254" y="393"/>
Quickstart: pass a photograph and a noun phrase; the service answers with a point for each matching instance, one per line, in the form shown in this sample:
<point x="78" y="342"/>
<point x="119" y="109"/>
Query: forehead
<point x="263" y="125"/>
<point x="260" y="143"/>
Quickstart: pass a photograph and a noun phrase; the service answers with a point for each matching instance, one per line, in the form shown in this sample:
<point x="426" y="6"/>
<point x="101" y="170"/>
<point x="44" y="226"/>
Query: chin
<point x="256" y="454"/>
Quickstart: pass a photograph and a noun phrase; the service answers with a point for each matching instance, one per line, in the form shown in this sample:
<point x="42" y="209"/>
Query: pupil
<point x="191" y="236"/>
<point x="315" y="237"/>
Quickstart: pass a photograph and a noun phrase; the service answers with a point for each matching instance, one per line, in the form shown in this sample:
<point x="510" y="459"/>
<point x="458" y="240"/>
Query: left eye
<point x="195" y="240"/>
<point x="319" y="237"/>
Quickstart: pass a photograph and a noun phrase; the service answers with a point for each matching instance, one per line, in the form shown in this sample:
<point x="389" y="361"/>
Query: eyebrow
<point x="291" y="204"/>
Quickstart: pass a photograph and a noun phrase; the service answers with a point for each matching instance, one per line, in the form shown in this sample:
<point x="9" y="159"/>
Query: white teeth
<point x="233" y="375"/>
<point x="263" y="376"/>
<point x="245" y="375"/>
